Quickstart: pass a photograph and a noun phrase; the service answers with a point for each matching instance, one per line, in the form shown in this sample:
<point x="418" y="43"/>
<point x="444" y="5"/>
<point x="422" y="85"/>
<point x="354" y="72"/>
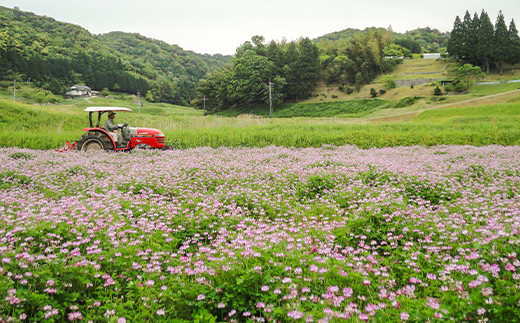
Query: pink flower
<point x="75" y="316"/>
<point x="433" y="303"/>
<point x="347" y="292"/>
<point x="366" y="282"/>
<point x="295" y="314"/>
<point x="264" y="288"/>
<point x="404" y="316"/>
<point x="231" y="313"/>
<point x="201" y="297"/>
<point x="161" y="312"/>
<point x="121" y="320"/>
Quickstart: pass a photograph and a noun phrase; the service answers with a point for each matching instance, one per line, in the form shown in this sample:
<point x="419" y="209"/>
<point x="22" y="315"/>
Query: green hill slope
<point x="56" y="55"/>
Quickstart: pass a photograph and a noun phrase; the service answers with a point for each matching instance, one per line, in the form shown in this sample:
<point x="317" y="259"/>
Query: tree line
<point x="478" y="42"/>
<point x="291" y="71"/>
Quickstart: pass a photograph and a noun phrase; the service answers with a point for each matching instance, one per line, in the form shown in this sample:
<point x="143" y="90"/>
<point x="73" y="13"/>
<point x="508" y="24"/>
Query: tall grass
<point x="48" y="127"/>
<point x="361" y="135"/>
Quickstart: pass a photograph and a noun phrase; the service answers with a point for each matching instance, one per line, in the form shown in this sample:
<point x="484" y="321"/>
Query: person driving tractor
<point x="111" y="127"/>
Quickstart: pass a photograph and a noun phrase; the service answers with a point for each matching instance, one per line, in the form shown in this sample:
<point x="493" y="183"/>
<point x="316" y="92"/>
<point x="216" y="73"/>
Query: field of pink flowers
<point x="271" y="234"/>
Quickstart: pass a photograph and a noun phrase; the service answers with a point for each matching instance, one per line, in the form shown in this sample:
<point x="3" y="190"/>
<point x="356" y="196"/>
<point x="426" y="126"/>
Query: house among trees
<point x="80" y="91"/>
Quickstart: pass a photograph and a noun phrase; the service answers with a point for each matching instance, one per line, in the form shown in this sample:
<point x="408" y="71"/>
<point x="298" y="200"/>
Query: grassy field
<point x="48" y="127"/>
<point x="487" y="114"/>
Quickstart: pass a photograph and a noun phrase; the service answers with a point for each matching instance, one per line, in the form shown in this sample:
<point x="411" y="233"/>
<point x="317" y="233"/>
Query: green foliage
<point x="21" y="155"/>
<point x="465" y="75"/>
<point x="345" y="88"/>
<point x="405" y="102"/>
<point x="388" y="82"/>
<point x="351" y="108"/>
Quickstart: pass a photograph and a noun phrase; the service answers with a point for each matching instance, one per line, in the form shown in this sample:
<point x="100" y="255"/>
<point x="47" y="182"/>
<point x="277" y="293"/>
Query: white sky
<point x="220" y="26"/>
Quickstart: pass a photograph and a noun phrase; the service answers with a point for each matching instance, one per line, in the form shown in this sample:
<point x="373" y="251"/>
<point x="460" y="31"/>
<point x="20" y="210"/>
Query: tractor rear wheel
<point x="93" y="141"/>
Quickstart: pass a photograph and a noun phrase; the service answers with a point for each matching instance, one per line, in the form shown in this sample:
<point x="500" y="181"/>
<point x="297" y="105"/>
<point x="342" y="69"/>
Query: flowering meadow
<point x="261" y="234"/>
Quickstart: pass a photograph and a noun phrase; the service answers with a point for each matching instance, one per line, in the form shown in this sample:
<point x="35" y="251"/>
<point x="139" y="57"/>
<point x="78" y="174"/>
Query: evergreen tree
<point x="307" y="68"/>
<point x="291" y="57"/>
<point x="468" y="38"/>
<point x="456" y="42"/>
<point x="515" y="43"/>
<point x="502" y="42"/>
<point x="276" y="55"/>
<point x="484" y="50"/>
<point x="473" y="44"/>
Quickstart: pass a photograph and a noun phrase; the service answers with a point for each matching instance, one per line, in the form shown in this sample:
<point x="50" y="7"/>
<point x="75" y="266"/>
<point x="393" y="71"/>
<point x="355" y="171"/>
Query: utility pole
<point x="270" y="100"/>
<point x="139" y="100"/>
<point x="14" y="90"/>
<point x="204" y="99"/>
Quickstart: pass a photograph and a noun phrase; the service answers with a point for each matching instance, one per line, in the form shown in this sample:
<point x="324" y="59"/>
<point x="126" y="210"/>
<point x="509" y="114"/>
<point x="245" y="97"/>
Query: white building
<point x="432" y="55"/>
<point x="79" y="91"/>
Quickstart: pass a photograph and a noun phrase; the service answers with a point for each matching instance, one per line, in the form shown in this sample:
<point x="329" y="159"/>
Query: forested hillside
<point x="420" y="40"/>
<point x="56" y="55"/>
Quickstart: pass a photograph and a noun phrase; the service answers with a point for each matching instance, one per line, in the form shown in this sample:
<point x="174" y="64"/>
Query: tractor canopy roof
<point x="106" y="109"/>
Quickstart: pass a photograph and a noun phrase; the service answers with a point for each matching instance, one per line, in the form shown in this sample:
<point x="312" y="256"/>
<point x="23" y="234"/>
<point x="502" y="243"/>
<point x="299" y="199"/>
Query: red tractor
<point x="99" y="138"/>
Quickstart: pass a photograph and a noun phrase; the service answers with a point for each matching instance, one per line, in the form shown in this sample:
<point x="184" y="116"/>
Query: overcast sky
<point x="220" y="26"/>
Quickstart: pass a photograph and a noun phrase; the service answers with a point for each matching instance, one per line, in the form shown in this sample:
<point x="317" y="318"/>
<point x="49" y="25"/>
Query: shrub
<point x="346" y="89"/>
<point x="388" y="82"/>
<point x="406" y="102"/>
<point x="437" y="91"/>
<point x="104" y="92"/>
<point x="460" y="87"/>
<point x="382" y="91"/>
<point x="373" y="92"/>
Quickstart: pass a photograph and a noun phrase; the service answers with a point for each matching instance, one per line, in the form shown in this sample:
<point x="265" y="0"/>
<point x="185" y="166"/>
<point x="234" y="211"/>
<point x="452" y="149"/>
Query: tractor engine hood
<point x="145" y="132"/>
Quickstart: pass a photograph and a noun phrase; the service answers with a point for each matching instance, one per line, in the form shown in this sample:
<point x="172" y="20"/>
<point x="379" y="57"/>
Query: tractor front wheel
<point x="92" y="141"/>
